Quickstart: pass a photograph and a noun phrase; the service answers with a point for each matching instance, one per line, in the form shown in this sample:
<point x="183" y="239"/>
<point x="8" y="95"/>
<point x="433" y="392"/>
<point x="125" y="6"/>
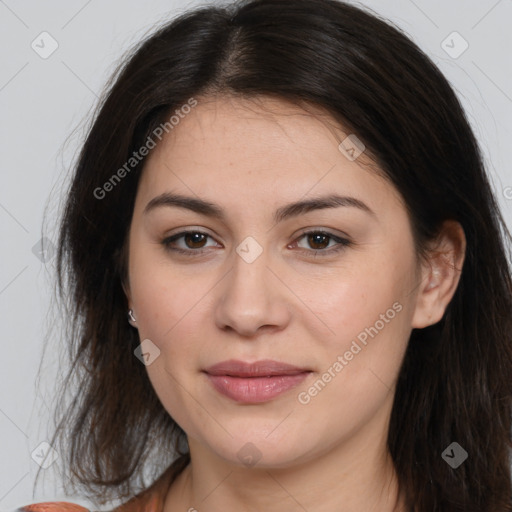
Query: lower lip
<point x="255" y="389"/>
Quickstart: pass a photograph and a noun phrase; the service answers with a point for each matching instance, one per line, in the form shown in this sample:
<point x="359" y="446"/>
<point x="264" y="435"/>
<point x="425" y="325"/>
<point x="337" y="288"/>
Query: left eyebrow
<point x="285" y="212"/>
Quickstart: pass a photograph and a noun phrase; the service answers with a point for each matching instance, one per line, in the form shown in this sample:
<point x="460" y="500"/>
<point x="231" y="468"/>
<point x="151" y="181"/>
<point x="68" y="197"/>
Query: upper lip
<point x="264" y="368"/>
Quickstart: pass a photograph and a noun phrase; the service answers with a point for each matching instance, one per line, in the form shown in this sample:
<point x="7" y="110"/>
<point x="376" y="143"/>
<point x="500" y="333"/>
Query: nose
<point x="252" y="298"/>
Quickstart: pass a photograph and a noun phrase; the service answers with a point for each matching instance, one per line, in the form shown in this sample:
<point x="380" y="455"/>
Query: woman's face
<point x="339" y="304"/>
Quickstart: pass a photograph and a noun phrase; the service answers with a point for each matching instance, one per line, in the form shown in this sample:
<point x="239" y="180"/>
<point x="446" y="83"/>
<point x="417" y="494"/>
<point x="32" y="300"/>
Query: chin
<point x="259" y="451"/>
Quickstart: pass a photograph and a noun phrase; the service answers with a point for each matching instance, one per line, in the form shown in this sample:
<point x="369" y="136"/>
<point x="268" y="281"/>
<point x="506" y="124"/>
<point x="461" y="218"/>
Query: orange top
<point x="150" y="500"/>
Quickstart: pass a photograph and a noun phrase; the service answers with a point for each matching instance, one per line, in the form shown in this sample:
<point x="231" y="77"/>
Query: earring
<point x="130" y="315"/>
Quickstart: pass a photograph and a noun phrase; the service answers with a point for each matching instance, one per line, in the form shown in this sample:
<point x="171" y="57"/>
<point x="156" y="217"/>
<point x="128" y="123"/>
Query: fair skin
<point x="328" y="454"/>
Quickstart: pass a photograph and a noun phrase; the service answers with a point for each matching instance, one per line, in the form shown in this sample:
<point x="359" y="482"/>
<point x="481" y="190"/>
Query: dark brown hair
<point x="455" y="383"/>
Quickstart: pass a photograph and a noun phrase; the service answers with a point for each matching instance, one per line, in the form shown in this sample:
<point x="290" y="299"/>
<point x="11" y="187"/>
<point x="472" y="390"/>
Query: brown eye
<point x="194" y="242"/>
<point x="318" y="242"/>
<point x="317" y="239"/>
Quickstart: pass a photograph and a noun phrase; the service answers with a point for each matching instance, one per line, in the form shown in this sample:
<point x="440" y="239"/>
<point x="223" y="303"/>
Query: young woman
<point x="288" y="276"/>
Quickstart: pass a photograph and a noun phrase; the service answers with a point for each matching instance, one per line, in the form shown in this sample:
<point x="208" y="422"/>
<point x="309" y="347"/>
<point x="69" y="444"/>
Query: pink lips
<point x="254" y="382"/>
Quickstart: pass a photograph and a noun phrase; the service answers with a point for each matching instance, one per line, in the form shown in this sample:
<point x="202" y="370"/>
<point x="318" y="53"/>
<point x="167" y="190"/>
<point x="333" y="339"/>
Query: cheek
<point x="361" y="360"/>
<point x="357" y="299"/>
<point x="162" y="294"/>
<point x="367" y="311"/>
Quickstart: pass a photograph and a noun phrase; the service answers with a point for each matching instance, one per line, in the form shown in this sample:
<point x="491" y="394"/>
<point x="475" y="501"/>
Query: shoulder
<point x="149" y="500"/>
<point x="52" y="506"/>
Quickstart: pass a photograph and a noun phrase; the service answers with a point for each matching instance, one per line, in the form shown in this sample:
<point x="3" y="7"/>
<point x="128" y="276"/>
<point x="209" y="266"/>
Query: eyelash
<point x="342" y="243"/>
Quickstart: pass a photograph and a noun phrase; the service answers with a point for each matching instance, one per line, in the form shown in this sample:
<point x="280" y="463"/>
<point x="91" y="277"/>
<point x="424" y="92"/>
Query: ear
<point x="440" y="275"/>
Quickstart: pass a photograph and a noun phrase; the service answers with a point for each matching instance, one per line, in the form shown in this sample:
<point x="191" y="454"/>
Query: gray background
<point x="43" y="101"/>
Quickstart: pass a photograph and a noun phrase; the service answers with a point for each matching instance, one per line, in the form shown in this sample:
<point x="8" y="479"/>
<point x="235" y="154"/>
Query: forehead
<point x="258" y="149"/>
<point x="245" y="125"/>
